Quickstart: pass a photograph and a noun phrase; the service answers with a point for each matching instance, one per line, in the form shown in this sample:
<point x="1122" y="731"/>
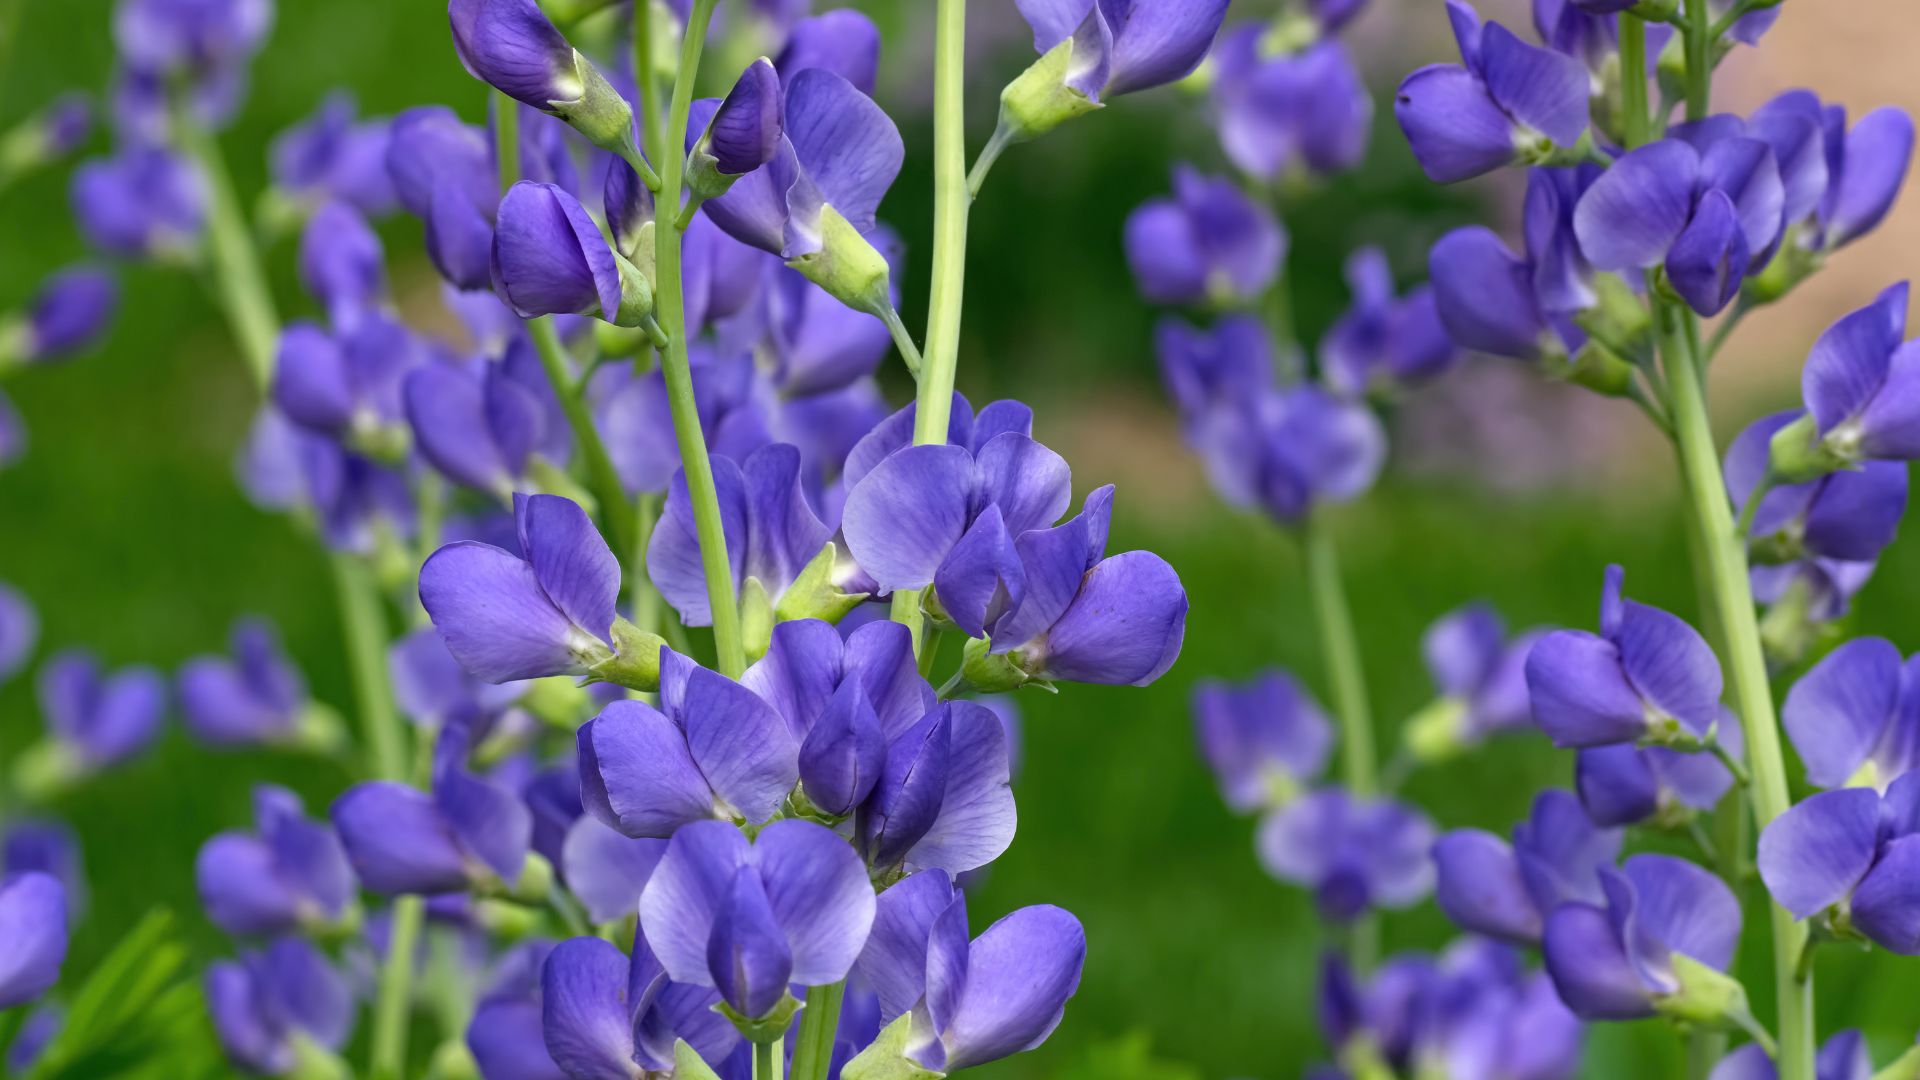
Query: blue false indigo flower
<point x="144" y="203"/>
<point x="1862" y="389"/>
<point x="94" y="719"/>
<point x="443" y="173"/>
<point x="1854" y="716"/>
<point x="255" y="698"/>
<point x="1265" y="740"/>
<point x="606" y="871"/>
<point x="36" y="1033"/>
<point x="1355" y="855"/>
<point x="342" y="265"/>
<point x="1844" y="1056"/>
<point x="844" y="699"/>
<point x="1487" y="886"/>
<point x="1852" y="858"/>
<point x="507" y="617"/>
<point x="290" y="874"/>
<point x="46" y="847"/>
<point x="743" y="132"/>
<point x="67" y="316"/>
<point x="1302" y="114"/>
<point x="195" y="36"/>
<point x="783" y="564"/>
<point x="505" y="1034"/>
<point x="1866" y="166"/>
<point x="629" y="209"/>
<point x="549" y="258"/>
<point x="724" y="281"/>
<point x="1660" y="943"/>
<point x="750" y="917"/>
<point x="329" y="156"/>
<point x="1205" y="370"/>
<point x="1481" y="679"/>
<point x="1705" y="210"/>
<point x="1849" y="515"/>
<point x="478" y="425"/>
<point x="267" y="1004"/>
<point x="347" y="385"/>
<point x="1629" y="785"/>
<point x="1383" y="341"/>
<point x="713" y="749"/>
<point x="843" y="41"/>
<point x="19" y="631"/>
<point x="1647" y="676"/>
<point x="1506" y="102"/>
<point x="1311" y="448"/>
<point x="467" y="833"/>
<point x="1208" y="244"/>
<point x="1092" y="50"/>
<point x="602" y="1014"/>
<point x="511" y="45"/>
<point x="1495" y="302"/>
<point x="636" y="419"/>
<point x="49" y="135"/>
<point x="943" y="799"/>
<point x="813" y="202"/>
<point x="948" y="1003"/>
<point x="819" y="345"/>
<point x="33" y="923"/>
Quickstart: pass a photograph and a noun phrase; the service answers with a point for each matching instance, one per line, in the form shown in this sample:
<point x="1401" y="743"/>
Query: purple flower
<point x="1854" y="717"/>
<point x="346" y="385"/>
<point x="1383" y="341"/>
<point x="1353" y="854"/>
<point x="1705" y="207"/>
<point x="143" y="203"/>
<point x="194" y="35"/>
<point x="1852" y="857"/>
<point x="1866" y="167"/>
<point x="842" y="41"/>
<point x="1479" y="672"/>
<point x="1510" y="102"/>
<point x="19" y="630"/>
<point x="1487" y="886"/>
<point x="949" y="1003"/>
<point x="265" y="1002"/>
<point x="743" y="131"/>
<point x="467" y="833"/>
<point x="1628" y="785"/>
<point x="1862" y="385"/>
<point x="602" y="1013"/>
<point x="1825" y="586"/>
<point x="341" y="265"/>
<point x="549" y="257"/>
<point x="256" y="697"/>
<point x="943" y="798"/>
<point x="68" y="315"/>
<point x="1209" y="243"/>
<point x="1665" y="927"/>
<point x="1292" y="114"/>
<point x="636" y="419"/>
<point x="330" y="156"/>
<point x="511" y="45"/>
<point x="771" y="532"/>
<point x="505" y="1034"/>
<point x="33" y="923"/>
<point x="1488" y="299"/>
<point x="819" y="344"/>
<point x="98" y="719"/>
<point x="476" y="423"/>
<point x="1092" y="50"/>
<point x="290" y="874"/>
<point x="54" y="131"/>
<point x="508" y="617"/>
<point x="1308" y="447"/>
<point x="1265" y="740"/>
<point x="443" y="173"/>
<point x="1646" y="676"/>
<point x="1849" y="515"/>
<point x="713" y="749"/>
<point x="606" y="871"/>
<point x="47" y="847"/>
<point x="748" y="918"/>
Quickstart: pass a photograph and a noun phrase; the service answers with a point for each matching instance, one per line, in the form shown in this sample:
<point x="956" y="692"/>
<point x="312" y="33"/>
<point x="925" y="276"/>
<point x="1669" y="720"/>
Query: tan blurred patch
<point x="1116" y="435"/>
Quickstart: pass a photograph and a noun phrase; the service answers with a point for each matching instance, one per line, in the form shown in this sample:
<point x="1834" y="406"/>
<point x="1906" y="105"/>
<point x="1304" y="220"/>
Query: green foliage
<point x="1129" y="1057"/>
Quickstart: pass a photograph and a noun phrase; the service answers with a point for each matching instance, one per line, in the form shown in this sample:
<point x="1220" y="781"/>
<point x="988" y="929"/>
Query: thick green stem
<point x="365" y="626"/>
<point x="1726" y="563"/>
<point x="670" y="307"/>
<point x="819" y="1021"/>
<point x="766" y="1061"/>
<point x="1633" y="79"/>
<point x="1347" y="681"/>
<point x="1699" y="46"/>
<point x="933" y="403"/>
<point x="648" y="104"/>
<point x="237" y="273"/>
<point x="391" y="1009"/>
<point x="616" y="513"/>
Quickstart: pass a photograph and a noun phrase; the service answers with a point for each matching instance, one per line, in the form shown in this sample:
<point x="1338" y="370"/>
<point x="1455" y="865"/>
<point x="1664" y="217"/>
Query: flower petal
<point x="906" y="514"/>
<point x="1020" y="973"/>
<point x="1812" y="856"/>
<point x="1836" y="712"/>
<point x="493" y="615"/>
<point x="636" y="773"/>
<point x="677" y="909"/>
<point x="1635" y="210"/>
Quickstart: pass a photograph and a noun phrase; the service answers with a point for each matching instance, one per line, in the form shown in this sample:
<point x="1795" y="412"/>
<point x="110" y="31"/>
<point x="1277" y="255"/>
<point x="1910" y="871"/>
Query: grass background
<point x="126" y="529"/>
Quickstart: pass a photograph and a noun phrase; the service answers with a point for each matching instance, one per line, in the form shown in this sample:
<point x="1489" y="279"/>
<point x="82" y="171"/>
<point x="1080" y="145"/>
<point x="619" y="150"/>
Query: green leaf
<point x="138" y="1014"/>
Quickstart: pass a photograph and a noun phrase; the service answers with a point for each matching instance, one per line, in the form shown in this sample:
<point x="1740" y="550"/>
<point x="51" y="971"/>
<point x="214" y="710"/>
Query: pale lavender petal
<point x="1812" y="856"/>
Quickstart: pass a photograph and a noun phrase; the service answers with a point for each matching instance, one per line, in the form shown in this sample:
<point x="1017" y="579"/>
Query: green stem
<point x="1633" y="78"/>
<point x="671" y="311"/>
<point x="390" y="1014"/>
<point x="766" y="1061"/>
<point x="238" y="275"/>
<point x="616" y="513"/>
<point x="982" y="165"/>
<point x="819" y="1021"/>
<point x="1726" y="563"/>
<point x="648" y="104"/>
<point x="933" y="403"/>
<point x="506" y="140"/>
<point x="903" y="341"/>
<point x="1347" y="680"/>
<point x="1699" y="42"/>
<point x="365" y="626"/>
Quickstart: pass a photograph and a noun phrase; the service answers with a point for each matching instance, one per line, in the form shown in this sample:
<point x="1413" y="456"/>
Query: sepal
<point x="756" y="619"/>
<point x="635" y="663"/>
<point x="636" y="294"/>
<point x="1040" y="100"/>
<point x="1707" y="996"/>
<point x="847" y="266"/>
<point x="987" y="673"/>
<point x="687" y="1063"/>
<point x="1437" y="733"/>
<point x="1795" y="454"/>
<point x="763" y="1029"/>
<point x="311" y="1061"/>
<point x="600" y="113"/>
<point x="814" y="595"/>
<point x="886" y="1057"/>
<point x="1597" y="368"/>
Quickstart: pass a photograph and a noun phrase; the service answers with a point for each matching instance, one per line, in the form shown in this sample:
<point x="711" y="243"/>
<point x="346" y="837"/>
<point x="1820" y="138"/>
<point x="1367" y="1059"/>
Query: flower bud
<point x="743" y="135"/>
<point x="906" y="801"/>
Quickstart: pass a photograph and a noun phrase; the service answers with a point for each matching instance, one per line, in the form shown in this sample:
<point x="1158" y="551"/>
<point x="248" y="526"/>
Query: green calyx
<point x="702" y="175"/>
<point x="636" y="295"/>
<point x="1596" y="367"/>
<point x="600" y="113"/>
<point x="1797" y="453"/>
<point x="763" y="1029"/>
<point x="984" y="672"/>
<point x="886" y="1058"/>
<point x="1706" y="996"/>
<point x="756" y="619"/>
<point x="849" y="268"/>
<point x="813" y="594"/>
<point x="1040" y="100"/>
<point x="688" y="1065"/>
<point x="635" y="663"/>
<point x="1437" y="733"/>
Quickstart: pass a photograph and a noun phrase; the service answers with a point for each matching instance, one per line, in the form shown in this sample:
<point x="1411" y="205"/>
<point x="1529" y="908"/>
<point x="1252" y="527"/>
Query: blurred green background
<point x="125" y="527"/>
